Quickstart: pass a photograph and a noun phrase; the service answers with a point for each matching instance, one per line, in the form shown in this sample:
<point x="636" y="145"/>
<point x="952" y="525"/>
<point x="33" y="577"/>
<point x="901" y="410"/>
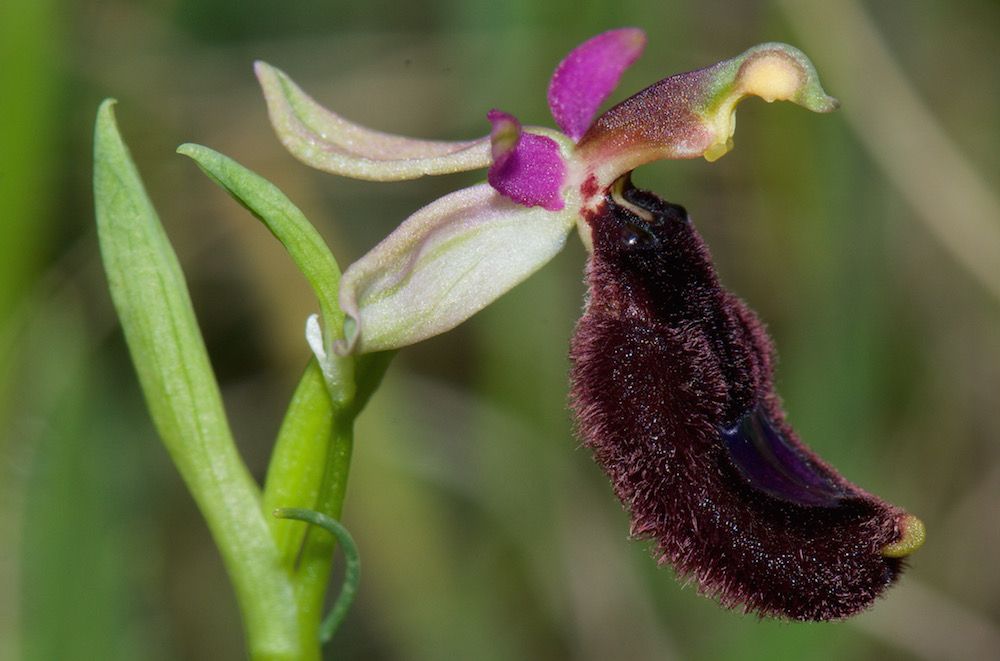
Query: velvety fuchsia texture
<point x="588" y="75"/>
<point x="527" y="168"/>
<point x="671" y="373"/>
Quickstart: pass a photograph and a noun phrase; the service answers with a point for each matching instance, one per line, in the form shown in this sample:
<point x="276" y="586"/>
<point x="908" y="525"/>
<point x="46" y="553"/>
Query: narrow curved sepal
<point x="673" y="392"/>
<point x="693" y="114"/>
<point x="442" y="265"/>
<point x="591" y="71"/>
<point x="326" y="141"/>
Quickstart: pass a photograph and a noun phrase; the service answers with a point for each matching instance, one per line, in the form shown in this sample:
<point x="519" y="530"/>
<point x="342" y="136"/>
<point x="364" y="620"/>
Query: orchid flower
<point x="672" y="381"/>
<point x="463" y="251"/>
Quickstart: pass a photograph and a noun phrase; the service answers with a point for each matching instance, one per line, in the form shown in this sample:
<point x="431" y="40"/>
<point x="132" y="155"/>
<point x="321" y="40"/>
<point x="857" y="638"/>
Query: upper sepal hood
<point x="693" y="114"/>
<point x="673" y="393"/>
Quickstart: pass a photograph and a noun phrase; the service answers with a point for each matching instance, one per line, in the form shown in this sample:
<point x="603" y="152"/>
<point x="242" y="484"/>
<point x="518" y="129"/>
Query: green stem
<point x="298" y="462"/>
<point x="315" y="560"/>
<point x="312" y="455"/>
<point x="309" y="470"/>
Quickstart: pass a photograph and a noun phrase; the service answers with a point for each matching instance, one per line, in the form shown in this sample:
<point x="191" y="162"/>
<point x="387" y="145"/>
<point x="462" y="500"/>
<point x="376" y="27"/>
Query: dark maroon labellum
<point x="673" y="392"/>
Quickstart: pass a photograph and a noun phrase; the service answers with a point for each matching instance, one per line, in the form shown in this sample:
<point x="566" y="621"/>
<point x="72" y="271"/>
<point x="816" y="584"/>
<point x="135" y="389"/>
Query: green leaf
<point x="311" y="458"/>
<point x="288" y="224"/>
<point x="158" y="320"/>
<point x="304" y="244"/>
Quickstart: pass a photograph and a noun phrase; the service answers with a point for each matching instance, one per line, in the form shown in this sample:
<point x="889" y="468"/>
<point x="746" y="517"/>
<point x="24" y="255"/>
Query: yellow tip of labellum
<point x="911" y="539"/>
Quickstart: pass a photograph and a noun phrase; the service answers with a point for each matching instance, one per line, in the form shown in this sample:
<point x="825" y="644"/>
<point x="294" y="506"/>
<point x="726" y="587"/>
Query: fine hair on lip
<point x="673" y="393"/>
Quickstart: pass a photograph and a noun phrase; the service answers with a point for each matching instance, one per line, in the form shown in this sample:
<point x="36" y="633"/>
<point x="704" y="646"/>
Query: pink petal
<point x="326" y="141"/>
<point x="589" y="74"/>
<point x="527" y="168"/>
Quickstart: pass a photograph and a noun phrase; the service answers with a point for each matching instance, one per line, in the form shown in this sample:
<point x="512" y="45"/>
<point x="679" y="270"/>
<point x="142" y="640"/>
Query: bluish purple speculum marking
<point x="772" y="464"/>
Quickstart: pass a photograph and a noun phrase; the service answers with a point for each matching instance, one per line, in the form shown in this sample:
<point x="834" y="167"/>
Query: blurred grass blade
<point x="157" y="317"/>
<point x="288" y="224"/>
<point x="32" y="45"/>
<point x="904" y="135"/>
<point x="31" y="50"/>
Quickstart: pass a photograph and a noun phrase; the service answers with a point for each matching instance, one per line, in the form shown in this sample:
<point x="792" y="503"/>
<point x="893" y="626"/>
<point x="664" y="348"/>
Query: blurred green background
<point x="867" y="239"/>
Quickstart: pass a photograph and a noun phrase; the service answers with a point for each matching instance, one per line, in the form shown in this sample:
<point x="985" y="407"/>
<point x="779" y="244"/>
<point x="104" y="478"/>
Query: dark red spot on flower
<point x="673" y="392"/>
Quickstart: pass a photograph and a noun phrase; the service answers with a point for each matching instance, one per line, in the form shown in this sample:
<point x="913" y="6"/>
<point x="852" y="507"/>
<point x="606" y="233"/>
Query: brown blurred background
<point x="869" y="240"/>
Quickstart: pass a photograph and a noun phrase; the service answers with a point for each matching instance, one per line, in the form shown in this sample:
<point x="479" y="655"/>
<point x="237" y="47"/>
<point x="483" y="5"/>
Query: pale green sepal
<point x="442" y="265"/>
<point x="324" y="140"/>
<point x="161" y="331"/>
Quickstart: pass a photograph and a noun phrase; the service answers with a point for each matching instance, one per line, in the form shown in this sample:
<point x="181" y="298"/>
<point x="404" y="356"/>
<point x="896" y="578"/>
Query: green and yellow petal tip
<point x="912" y="537"/>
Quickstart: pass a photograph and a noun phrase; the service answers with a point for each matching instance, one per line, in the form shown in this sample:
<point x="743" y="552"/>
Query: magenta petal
<point x="527" y="168"/>
<point x="589" y="74"/>
<point x="505" y="135"/>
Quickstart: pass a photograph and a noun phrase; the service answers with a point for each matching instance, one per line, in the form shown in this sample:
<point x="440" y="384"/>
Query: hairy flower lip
<point x="664" y="360"/>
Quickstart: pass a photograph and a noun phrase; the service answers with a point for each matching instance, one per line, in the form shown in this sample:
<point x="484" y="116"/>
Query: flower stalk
<point x="279" y="567"/>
